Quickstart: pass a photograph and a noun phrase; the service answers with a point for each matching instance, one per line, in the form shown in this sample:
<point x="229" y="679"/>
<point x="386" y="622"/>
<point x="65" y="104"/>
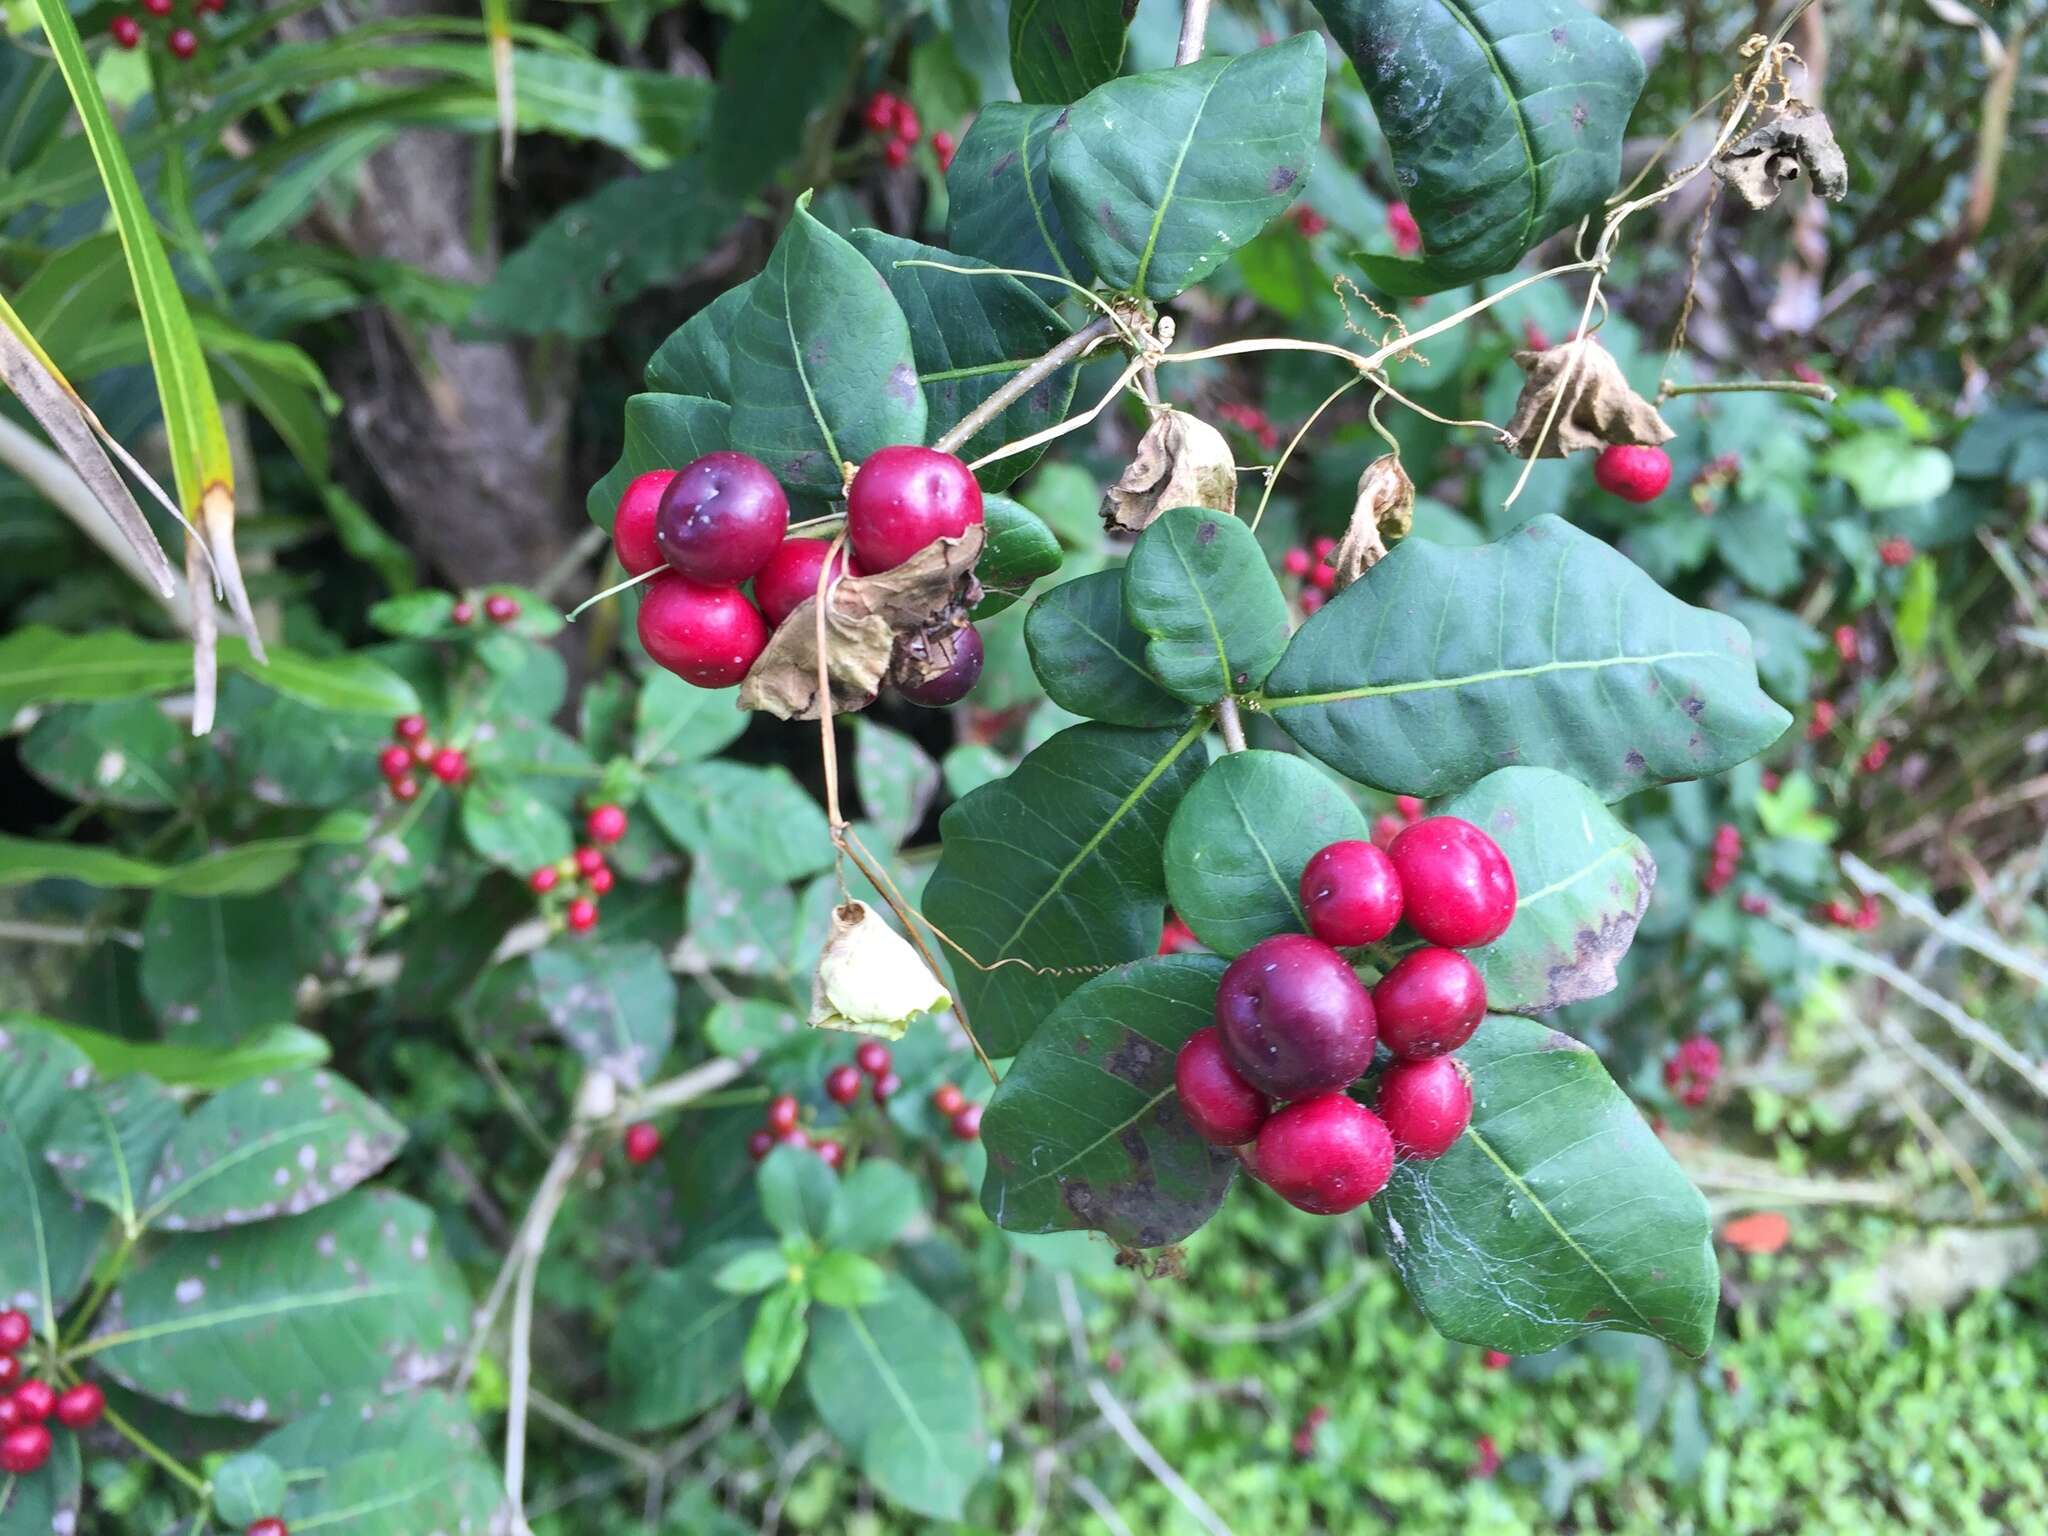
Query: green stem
<point x="197" y="1484"/>
<point x="104" y="1283"/>
<point x="1747" y="387"/>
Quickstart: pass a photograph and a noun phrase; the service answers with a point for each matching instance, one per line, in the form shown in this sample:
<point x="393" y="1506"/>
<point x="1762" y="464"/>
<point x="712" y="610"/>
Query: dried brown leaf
<point x="1181" y="461"/>
<point x="1794" y="140"/>
<point x="1383" y="512"/>
<point x="1601" y="408"/>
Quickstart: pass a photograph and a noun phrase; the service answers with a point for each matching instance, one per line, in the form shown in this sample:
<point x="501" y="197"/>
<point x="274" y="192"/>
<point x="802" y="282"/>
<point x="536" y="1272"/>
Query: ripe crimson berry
<point x="1324" y="577"/>
<point x="600" y="880"/>
<point x="394" y="761"/>
<point x="449" y="765"/>
<point x="721" y="518"/>
<point x="708" y="636"/>
<point x="760" y="1144"/>
<point x="500" y="609"/>
<point x="1225" y="1110"/>
<point x="1632" y="472"/>
<point x="909" y="127"/>
<point x="1409" y="807"/>
<point x="967" y="1124"/>
<point x="643" y="1143"/>
<point x="1847" y="646"/>
<point x="544" y="879"/>
<point x="582" y="915"/>
<point x="1456" y="884"/>
<point x="157" y="7"/>
<point x="270" y="1527"/>
<point x="406" y="789"/>
<point x="831" y="1154"/>
<point x="886" y="1087"/>
<point x="1323" y="547"/>
<point x="944" y="146"/>
<point x="1327" y="1155"/>
<point x="81" y="1407"/>
<point x="633" y="522"/>
<point x="126" y="31"/>
<point x="34" y="1400"/>
<point x="791" y="575"/>
<point x="184" y="42"/>
<point x="409" y="727"/>
<point x="1351" y="894"/>
<point x="1176" y="937"/>
<point x="1312" y="601"/>
<point x="463" y="612"/>
<point x="15" y="1330"/>
<point x="588" y="860"/>
<point x="1691" y="1071"/>
<point x="1429" y="1004"/>
<point x="1823" y="720"/>
<point x="1426" y="1105"/>
<point x="1896" y="551"/>
<point x="880" y="113"/>
<point x="896" y="154"/>
<point x="1496" y="1360"/>
<point x="9" y="1414"/>
<point x="1877" y="755"/>
<point x="782" y="1112"/>
<point x="842" y="1084"/>
<point x="24" y="1449"/>
<point x="873" y="1057"/>
<point x="1295" y="1019"/>
<point x="948" y="1100"/>
<point x="905" y="497"/>
<point x="10" y="1373"/>
<point x="605" y="824"/>
<point x="957" y="680"/>
<point x="1297" y="562"/>
<point x="1402" y="226"/>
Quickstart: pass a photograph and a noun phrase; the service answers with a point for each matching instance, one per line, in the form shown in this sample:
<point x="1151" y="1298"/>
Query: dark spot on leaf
<point x="1059" y="124"/>
<point x="1694" y="705"/>
<point x="1057" y="36"/>
<point x="1003" y="163"/>
<point x="817" y="350"/>
<point x="1557" y="1040"/>
<point x="1597" y="949"/>
<point x="1558" y="36"/>
<point x="1578" y="114"/>
<point x="1106" y="216"/>
<point x="1282" y="178"/>
<point x="1135" y="1147"/>
<point x="1205" y="532"/>
<point x="1136" y="1060"/>
<point x="1634" y="761"/>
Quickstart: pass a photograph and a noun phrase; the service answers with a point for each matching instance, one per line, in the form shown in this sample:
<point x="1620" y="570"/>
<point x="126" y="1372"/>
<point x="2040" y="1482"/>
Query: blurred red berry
<point x="842" y="1084"/>
<point x="1497" y="1360"/>
<point x="449" y="765"/>
<point x="1877" y="755"/>
<point x="1176" y="937"/>
<point x="605" y="824"/>
<point x="588" y="860"/>
<point x="760" y="1144"/>
<point x="1755" y="903"/>
<point x="909" y="128"/>
<point x="948" y="1100"/>
<point x="1823" y="720"/>
<point x="1297" y="562"/>
<point x="500" y="609"/>
<point x="183" y="42"/>
<point x="1846" y="644"/>
<point x="643" y="1143"/>
<point x="1410" y="807"/>
<point x="409" y="727"/>
<point x="967" y="1124"/>
<point x="1308" y="221"/>
<point x="1691" y="1071"/>
<point x="879" y="115"/>
<point x="125" y="31"/>
<point x="544" y="879"/>
<point x="872" y="1058"/>
<point x="1488" y="1460"/>
<point x="407" y="788"/>
<point x="944" y="146"/>
<point x="1323" y="547"/>
<point x="1402" y="226"/>
<point x="600" y="881"/>
<point x="1312" y="601"/>
<point x="831" y="1154"/>
<point x="582" y="915"/>
<point x="895" y="154"/>
<point x="394" y="761"/>
<point x="463" y="612"/>
<point x="1896" y="551"/>
<point x="886" y="1087"/>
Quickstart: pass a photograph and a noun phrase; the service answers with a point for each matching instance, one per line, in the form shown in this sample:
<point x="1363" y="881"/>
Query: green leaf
<point x="125" y="753"/>
<point x="285" y="1048"/>
<point x="897" y="778"/>
<point x="783" y="833"/>
<point x="366" y="1466"/>
<point x="511" y="826"/>
<point x="1888" y="471"/>
<point x="24" y="860"/>
<point x="1090" y="658"/>
<point x="675" y="723"/>
<point x="676" y="1349"/>
<point x="1199" y="589"/>
<point x="1057" y="866"/>
<point x="775" y="1344"/>
<point x="212" y="967"/>
<point x="696" y="359"/>
<point x="104" y="1141"/>
<point x="970" y="336"/>
<point x="1162" y="177"/>
<point x="1582" y="881"/>
<point x="248" y="1488"/>
<point x="784" y="64"/>
<point x="349" y="684"/>
<point x="752" y="1270"/>
<point x="1240" y="840"/>
<point x="1545" y="648"/>
<point x="1000" y="206"/>
<point x="799" y="1194"/>
<point x="1557" y="1214"/>
<point x="40" y="665"/>
<point x="848" y="1280"/>
<point x="662" y="432"/>
<point x="49" y="1239"/>
<point x="268" y="1321"/>
<point x="1060" y="50"/>
<point x="1505" y="121"/>
<point x="896" y="1386"/>
<point x="47" y="1502"/>
<point x="877" y="1202"/>
<point x="822" y="368"/>
<point x="264" y="863"/>
<point x="415" y="615"/>
<point x="741" y="919"/>
<point x="615" y="1004"/>
<point x="268" y="1147"/>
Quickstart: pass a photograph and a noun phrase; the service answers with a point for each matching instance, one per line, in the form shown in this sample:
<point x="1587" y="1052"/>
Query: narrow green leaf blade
<point x="1199" y="589"/>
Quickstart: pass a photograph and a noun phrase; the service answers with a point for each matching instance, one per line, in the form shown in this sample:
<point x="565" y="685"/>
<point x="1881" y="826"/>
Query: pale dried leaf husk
<point x="1181" y="461"/>
<point x="869" y="979"/>
<point x="1600" y="410"/>
<point x="1794" y="140"/>
<point x="863" y="617"/>
<point x="922" y="654"/>
<point x="1382" y="514"/>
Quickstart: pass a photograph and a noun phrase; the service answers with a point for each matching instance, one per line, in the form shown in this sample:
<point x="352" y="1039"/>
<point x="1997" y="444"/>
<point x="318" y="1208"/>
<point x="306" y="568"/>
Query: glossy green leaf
<point x="897" y="778"/>
<point x="696" y="359"/>
<point x="347" y="683"/>
<point x="674" y="723"/>
<point x="1020" y="550"/>
<point x="970" y="336"/>
<point x="286" y="1048"/>
<point x="506" y="822"/>
<point x="247" y="1488"/>
<point x="895" y="1385"/>
<point x="366" y="1466"/>
<point x="1212" y="613"/>
<point x="822" y="367"/>
<point x="1162" y="177"/>
<point x="1057" y="866"/>
<point x="784" y="65"/>
<point x="46" y="1502"/>
<point x="50" y="1237"/>
<point x="752" y="1270"/>
<point x="126" y="753"/>
<point x="212" y="967"/>
<point x="24" y="860"/>
<point x="775" y="1344"/>
<point x="270" y="1146"/>
<point x="676" y="1349"/>
<point x="1558" y="1213"/>
<point x="615" y="1004"/>
<point x="847" y="1280"/>
<point x="1060" y="50"/>
<point x="1582" y="882"/>
<point x="799" y="1194"/>
<point x="1240" y="840"/>
<point x="1085" y="1132"/>
<point x="1504" y="117"/>
<point x="1581" y="663"/>
<point x="1090" y="658"/>
<point x="662" y="432"/>
<point x="784" y="832"/>
<point x="1000" y="206"/>
<point x="40" y="665"/>
<point x="104" y="1141"/>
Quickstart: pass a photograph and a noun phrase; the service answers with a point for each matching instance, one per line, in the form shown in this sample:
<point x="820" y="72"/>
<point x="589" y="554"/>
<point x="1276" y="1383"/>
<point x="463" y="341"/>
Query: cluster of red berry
<point x="1402" y="226"/>
<point x="1311" y="567"/>
<point x="1895" y="551"/>
<point x="1632" y="472"/>
<point x="1308" y="221"/>
<point x="1691" y="1070"/>
<point x="1825" y="715"/>
<point x="1251" y="421"/>
<point x="1295" y="1025"/>
<point x="498" y="608"/>
<point x="1727" y="857"/>
<point x="183" y="42"/>
<point x="411" y="749"/>
<point x="1305" y="1437"/>
<point x="1862" y="917"/>
<point x="893" y="120"/>
<point x="723" y="520"/>
<point x="1390" y="825"/>
<point x="27" y="1408"/>
<point x="585" y="870"/>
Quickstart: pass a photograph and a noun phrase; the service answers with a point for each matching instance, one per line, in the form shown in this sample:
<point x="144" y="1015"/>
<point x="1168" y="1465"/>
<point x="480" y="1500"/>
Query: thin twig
<point x="1310" y="1316"/>
<point x="1230" y="724"/>
<point x="1669" y="390"/>
<point x="1967" y="935"/>
<point x="596" y="1436"/>
<point x="1194" y="28"/>
<point x="1022" y="382"/>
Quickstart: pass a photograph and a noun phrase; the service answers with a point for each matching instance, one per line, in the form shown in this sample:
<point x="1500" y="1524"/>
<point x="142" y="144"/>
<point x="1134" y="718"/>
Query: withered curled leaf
<point x="1600" y="410"/>
<point x="1383" y="512"/>
<point x="869" y="980"/>
<point x="1794" y="138"/>
<point x="864" y="615"/>
<point x="1181" y="461"/>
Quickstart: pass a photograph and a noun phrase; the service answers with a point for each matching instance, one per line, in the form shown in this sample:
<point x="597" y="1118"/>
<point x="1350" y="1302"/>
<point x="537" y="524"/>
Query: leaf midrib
<point x="1485" y="45"/>
<point x="1472" y="679"/>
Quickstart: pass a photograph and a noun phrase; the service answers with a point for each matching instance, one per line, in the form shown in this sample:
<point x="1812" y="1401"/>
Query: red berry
<point x="721" y="518"/>
<point x="896" y="154"/>
<point x="1632" y="472"/>
<point x="500" y="609"/>
<point x="605" y="824"/>
<point x="9" y="1414"/>
<point x="782" y="1112"/>
<point x="643" y="1143"/>
<point x="1496" y="1360"/>
<point x="582" y="915"/>
<point x="905" y="497"/>
<point x="633" y="522"/>
<point x="24" y="1449"/>
<point x="1297" y="562"/>
<point x="1176" y="937"/>
<point x="1878" y="754"/>
<point x="1691" y="1070"/>
<point x="873" y="1057"/>
<point x="463" y="612"/>
<point x="1351" y="894"/>
<point x="1755" y="903"/>
<point x="1426" y="1105"/>
<point x="795" y="1136"/>
<point x="1312" y="601"/>
<point x="1402" y="226"/>
<point x="10" y="1373"/>
<point x="184" y="42"/>
<point x="1488" y="1459"/>
<point x="1456" y="884"/>
<point x="1823" y="720"/>
<point x="957" y="680"/>
<point x="126" y="32"/>
<point x="15" y="1330"/>
<point x="34" y="1400"/>
<point x="270" y="1527"/>
<point x="1410" y="807"/>
<point x="831" y="1154"/>
<point x="1308" y="221"/>
<point x="880" y="113"/>
<point x="909" y="128"/>
<point x="1847" y="646"/>
<point x="842" y="1084"/>
<point x="948" y="1100"/>
<point x="588" y="860"/>
<point x="943" y="147"/>
<point x="81" y="1407"/>
<point x="709" y="636"/>
<point x="967" y="1124"/>
<point x="544" y="879"/>
<point x="791" y="575"/>
<point x="449" y="765"/>
<point x="1429" y="1004"/>
<point x="394" y="762"/>
<point x="1295" y="1019"/>
<point x="886" y="1087"/>
<point x="600" y="881"/>
<point x="1323" y="578"/>
<point x="1304" y="1442"/>
<point x="1225" y="1110"/>
<point x="157" y="7"/>
<point x="407" y="788"/>
<point x="1323" y="547"/>
<point x="760" y="1144"/>
<point x="409" y="727"/>
<point x="1896" y="551"/>
<point x="1327" y="1155"/>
